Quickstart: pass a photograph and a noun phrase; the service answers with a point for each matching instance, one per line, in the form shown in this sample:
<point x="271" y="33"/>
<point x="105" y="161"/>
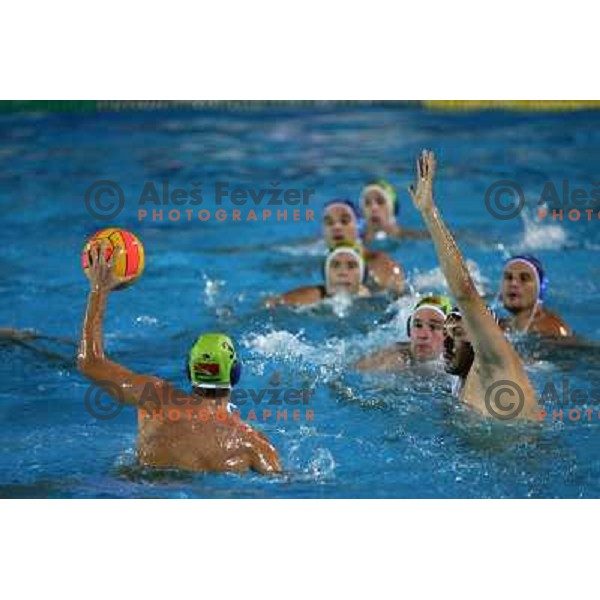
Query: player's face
<point x="344" y="274"/>
<point x="376" y="208"/>
<point x="339" y="226"/>
<point x="458" y="352"/>
<point x="519" y="287"/>
<point x="426" y="335"/>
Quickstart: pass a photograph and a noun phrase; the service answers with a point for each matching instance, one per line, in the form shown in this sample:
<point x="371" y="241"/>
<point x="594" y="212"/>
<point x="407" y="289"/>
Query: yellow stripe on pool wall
<point x="519" y="105"/>
<point x="91" y="106"/>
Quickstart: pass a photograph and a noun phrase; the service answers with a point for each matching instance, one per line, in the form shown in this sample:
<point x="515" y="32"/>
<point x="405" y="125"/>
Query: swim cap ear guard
<point x="536" y="265"/>
<point x="361" y="224"/>
<point x="437" y="303"/>
<point x="213" y="362"/>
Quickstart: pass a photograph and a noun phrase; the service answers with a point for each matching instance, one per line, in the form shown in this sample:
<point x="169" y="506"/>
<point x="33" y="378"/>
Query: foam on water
<point x="541" y="236"/>
<point x="434" y="279"/>
<point x="312" y="248"/>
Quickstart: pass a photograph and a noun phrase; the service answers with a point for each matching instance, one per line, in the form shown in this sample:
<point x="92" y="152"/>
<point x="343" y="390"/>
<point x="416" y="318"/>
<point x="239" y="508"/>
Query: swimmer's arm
<point x="117" y="380"/>
<point x="387" y="273"/>
<point x="310" y="294"/>
<point x="414" y="234"/>
<point x="28" y="338"/>
<point x="126" y="386"/>
<point x="266" y="461"/>
<point x="487" y="338"/>
<point x="22" y="335"/>
<point x="387" y="359"/>
<point x="17" y="335"/>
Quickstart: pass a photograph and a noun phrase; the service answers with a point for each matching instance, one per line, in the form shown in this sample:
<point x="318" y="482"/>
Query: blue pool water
<point x="372" y="436"/>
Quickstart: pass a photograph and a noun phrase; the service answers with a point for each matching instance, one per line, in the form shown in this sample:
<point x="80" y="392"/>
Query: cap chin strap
<point x="211" y="386"/>
<point x="457" y="385"/>
<point x="532" y="316"/>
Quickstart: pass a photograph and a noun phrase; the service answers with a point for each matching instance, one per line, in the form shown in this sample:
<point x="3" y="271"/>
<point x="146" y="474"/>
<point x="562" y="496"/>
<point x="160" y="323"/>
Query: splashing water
<point x="541" y="236"/>
<point x="435" y="280"/>
<point x="210" y="293"/>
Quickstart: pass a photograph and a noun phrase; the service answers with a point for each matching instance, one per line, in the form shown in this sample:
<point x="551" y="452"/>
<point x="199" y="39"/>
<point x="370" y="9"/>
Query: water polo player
<point x="524" y="287"/>
<point x="342" y="224"/>
<point x="424" y="328"/>
<point x="380" y="204"/>
<point x="458" y="350"/>
<point x="345" y="273"/>
<point x="176" y="429"/>
<point x="496" y="370"/>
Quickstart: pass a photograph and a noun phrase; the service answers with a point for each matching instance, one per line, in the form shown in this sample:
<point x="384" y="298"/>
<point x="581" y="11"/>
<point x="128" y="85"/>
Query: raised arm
<point x="117" y="380"/>
<point x="414" y="234"/>
<point x="486" y="336"/>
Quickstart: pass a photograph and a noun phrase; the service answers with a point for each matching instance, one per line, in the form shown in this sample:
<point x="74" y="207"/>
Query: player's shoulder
<point x="550" y="323"/>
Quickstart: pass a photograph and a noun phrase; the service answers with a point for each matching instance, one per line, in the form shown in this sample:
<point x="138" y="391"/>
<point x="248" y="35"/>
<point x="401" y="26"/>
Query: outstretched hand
<point x="101" y="272"/>
<point x="422" y="192"/>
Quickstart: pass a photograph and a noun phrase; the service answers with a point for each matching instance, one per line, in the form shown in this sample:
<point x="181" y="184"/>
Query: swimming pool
<point x="372" y="436"/>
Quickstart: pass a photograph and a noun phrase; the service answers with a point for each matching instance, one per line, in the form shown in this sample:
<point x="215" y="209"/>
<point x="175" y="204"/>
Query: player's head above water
<point x="342" y="222"/>
<point x="213" y="362"/>
<point x="345" y="269"/>
<point x="425" y="327"/>
<point x="458" y="351"/>
<point x="524" y="283"/>
<point x="379" y="203"/>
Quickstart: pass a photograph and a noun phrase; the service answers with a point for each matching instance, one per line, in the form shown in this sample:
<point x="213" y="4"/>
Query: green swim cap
<point x="213" y="362"/>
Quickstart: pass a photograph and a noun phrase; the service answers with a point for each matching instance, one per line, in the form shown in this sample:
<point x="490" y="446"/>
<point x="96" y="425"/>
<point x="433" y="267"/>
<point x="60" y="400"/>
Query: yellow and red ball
<point x="129" y="264"/>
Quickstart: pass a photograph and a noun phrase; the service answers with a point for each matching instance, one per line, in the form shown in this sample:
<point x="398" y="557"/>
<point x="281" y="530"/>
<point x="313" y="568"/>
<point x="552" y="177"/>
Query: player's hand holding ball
<point x="112" y="259"/>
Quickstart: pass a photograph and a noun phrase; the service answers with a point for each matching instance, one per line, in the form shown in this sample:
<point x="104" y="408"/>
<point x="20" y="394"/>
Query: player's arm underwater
<point x="52" y="348"/>
<point x="495" y="358"/>
<point x="17" y="335"/>
<point x="116" y="380"/>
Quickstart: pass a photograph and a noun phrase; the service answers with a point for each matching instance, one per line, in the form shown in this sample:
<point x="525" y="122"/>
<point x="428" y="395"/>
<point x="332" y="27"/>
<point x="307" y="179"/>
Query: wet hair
<point x="455" y="312"/>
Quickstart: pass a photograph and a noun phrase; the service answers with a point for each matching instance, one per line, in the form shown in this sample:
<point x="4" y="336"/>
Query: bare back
<point x="202" y="437"/>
